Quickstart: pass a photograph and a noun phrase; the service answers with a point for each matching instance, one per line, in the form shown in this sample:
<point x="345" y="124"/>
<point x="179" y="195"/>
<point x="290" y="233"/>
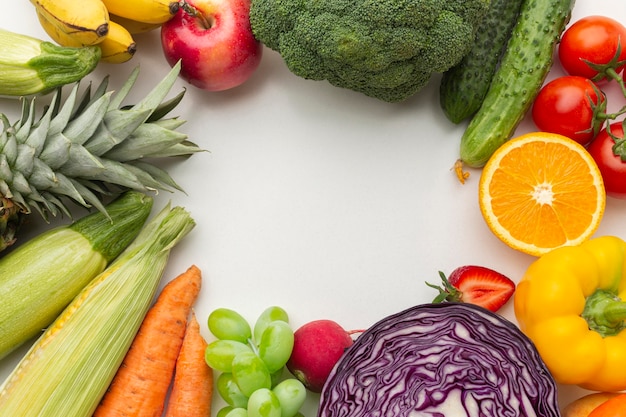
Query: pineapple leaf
<point x="63" y="114"/>
<point x="164" y="108"/>
<point x="24" y="162"/>
<point x="8" y="144"/>
<point x="148" y="179"/>
<point x="65" y="186"/>
<point x="4" y="189"/>
<point x="83" y="102"/>
<point x="88" y="99"/>
<point x="116" y="102"/>
<point x="57" y="150"/>
<point x="149" y="138"/>
<point x="5" y="170"/>
<point x="89" y="196"/>
<point x="56" y="202"/>
<point x="38" y="136"/>
<point x="83" y="164"/>
<point x="42" y="212"/>
<point x="172" y="123"/>
<point x="154" y="98"/>
<point x="42" y="177"/>
<point x="19" y="184"/>
<point x="83" y="126"/>
<point x="185" y="148"/>
<point x="122" y="123"/>
<point x="23" y="130"/>
<point x="156" y="172"/>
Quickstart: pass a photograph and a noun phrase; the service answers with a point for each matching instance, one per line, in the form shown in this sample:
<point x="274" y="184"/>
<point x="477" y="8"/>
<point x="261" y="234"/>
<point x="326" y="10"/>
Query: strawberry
<point x="475" y="285"/>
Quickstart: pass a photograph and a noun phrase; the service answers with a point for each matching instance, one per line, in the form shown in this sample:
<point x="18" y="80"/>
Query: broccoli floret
<point x="387" y="49"/>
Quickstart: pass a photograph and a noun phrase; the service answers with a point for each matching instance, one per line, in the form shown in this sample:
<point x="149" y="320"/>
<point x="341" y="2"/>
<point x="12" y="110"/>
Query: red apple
<point x="214" y="42"/>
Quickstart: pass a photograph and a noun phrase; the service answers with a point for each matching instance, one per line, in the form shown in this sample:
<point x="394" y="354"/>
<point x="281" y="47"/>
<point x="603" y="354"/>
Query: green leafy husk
<point x="69" y="368"/>
<point x="42" y="276"/>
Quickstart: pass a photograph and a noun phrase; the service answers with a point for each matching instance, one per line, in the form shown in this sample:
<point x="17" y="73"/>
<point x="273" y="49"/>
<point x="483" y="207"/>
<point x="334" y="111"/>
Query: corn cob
<point x="42" y="276"/>
<point x="31" y="66"/>
<point x="68" y="369"/>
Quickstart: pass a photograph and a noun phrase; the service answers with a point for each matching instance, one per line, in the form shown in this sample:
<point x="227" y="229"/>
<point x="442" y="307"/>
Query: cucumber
<point x="464" y="86"/>
<point x="525" y="64"/>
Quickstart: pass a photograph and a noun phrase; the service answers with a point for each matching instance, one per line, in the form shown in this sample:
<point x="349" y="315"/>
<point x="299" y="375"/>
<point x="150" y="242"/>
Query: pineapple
<point x="85" y="148"/>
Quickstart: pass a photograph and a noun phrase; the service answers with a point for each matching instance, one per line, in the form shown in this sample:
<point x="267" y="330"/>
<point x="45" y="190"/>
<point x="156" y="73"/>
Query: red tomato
<point x="565" y="106"/>
<point x="594" y="39"/>
<point x="611" y="166"/>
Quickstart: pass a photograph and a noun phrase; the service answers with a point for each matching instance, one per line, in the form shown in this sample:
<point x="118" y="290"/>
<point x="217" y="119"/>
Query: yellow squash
<point x="569" y="303"/>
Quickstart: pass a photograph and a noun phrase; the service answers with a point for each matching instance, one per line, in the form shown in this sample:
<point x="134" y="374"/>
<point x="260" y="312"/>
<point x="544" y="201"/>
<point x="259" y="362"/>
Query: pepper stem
<point x="605" y="313"/>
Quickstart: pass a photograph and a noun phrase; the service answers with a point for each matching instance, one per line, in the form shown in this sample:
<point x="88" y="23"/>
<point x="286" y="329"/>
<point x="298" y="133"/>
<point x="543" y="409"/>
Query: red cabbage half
<point x="436" y="360"/>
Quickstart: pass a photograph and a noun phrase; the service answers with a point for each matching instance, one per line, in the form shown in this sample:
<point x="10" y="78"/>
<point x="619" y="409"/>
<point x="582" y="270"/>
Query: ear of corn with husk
<point x="69" y="368"/>
<point x="42" y="276"/>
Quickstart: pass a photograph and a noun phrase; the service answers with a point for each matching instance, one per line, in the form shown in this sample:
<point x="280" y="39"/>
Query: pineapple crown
<point x="86" y="147"/>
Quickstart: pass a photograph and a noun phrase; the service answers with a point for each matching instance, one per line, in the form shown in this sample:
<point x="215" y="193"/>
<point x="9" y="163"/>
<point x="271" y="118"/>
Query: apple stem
<point x="192" y="11"/>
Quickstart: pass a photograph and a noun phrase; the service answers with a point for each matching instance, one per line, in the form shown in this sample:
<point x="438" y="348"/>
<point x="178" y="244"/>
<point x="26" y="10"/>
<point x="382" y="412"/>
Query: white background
<point x="318" y="199"/>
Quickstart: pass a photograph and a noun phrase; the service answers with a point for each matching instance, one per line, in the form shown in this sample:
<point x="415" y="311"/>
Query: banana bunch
<point x="110" y="24"/>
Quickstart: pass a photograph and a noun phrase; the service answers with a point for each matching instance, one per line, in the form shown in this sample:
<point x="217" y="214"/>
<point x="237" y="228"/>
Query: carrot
<point x="615" y="407"/>
<point x="140" y="385"/>
<point x="192" y="390"/>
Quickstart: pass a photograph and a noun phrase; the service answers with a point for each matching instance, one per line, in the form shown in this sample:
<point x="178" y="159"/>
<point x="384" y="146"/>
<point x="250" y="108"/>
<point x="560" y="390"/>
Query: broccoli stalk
<point x="386" y="49"/>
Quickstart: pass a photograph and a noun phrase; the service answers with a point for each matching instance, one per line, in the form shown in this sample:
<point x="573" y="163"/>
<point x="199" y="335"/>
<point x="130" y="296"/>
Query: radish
<point x="317" y="347"/>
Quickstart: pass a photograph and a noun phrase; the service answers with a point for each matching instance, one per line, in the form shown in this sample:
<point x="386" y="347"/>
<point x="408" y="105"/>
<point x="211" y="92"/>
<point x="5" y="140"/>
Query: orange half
<point x="541" y="191"/>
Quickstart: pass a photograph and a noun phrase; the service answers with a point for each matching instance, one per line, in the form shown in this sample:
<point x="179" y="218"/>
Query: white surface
<point x="320" y="200"/>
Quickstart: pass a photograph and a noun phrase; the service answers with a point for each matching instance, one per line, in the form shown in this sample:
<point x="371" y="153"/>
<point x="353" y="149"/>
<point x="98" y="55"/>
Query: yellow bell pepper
<point x="569" y="303"/>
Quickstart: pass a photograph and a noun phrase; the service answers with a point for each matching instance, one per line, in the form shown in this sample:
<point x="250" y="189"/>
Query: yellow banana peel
<point x="147" y="11"/>
<point x="86" y="22"/>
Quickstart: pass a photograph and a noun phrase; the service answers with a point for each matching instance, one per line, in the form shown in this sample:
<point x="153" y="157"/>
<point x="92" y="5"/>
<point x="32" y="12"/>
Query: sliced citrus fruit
<point x="540" y="191"/>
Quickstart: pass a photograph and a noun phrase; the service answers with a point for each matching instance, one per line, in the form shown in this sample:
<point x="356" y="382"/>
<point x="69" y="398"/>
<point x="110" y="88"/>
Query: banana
<point x="133" y="26"/>
<point x="85" y="21"/>
<point x="118" y="46"/>
<point x="147" y="11"/>
<point x="56" y="34"/>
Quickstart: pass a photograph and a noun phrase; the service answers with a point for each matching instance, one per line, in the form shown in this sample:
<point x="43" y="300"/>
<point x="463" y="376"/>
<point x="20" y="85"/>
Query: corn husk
<point x="40" y="277"/>
<point x="68" y="370"/>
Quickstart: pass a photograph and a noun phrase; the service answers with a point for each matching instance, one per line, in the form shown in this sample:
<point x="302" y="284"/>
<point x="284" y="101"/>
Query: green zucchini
<point x="29" y="65"/>
<point x="464" y="86"/>
<point x="525" y="64"/>
<point x="41" y="276"/>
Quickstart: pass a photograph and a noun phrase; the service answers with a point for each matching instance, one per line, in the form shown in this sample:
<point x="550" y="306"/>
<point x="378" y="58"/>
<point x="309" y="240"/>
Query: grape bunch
<point x="252" y="362"/>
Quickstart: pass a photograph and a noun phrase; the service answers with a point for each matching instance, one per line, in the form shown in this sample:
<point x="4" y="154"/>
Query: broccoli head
<point x="386" y="49"/>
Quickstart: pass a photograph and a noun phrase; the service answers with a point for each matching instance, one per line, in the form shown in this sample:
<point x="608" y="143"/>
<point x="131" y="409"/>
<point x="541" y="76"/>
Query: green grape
<point x="264" y="403"/>
<point x="269" y="315"/>
<point x="222" y="412"/>
<point x="229" y="391"/>
<point x="277" y="376"/>
<point x="291" y="394"/>
<point x="227" y="324"/>
<point x="219" y="354"/>
<point x="237" y="412"/>
<point x="276" y="344"/>
<point x="250" y="373"/>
